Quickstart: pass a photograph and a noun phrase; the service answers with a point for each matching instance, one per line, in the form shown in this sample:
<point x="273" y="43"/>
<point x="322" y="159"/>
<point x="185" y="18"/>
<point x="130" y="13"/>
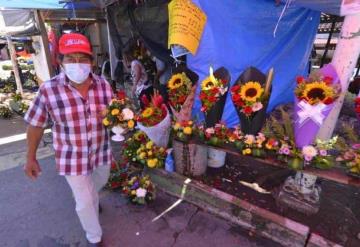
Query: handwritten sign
<point x="186" y="24"/>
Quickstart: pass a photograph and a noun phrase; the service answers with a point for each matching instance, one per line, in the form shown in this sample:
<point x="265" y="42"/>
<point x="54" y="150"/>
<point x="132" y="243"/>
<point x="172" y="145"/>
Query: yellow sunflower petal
<point x="251" y="91"/>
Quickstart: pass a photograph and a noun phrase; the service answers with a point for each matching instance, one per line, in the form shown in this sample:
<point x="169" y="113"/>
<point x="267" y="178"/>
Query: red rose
<point x="247" y="110"/>
<point x="235" y="88"/>
<point x="202" y="96"/>
<point x="113" y="166"/>
<point x="300" y="79"/>
<point x="212" y="99"/>
<point x="357" y="100"/>
<point x="215" y="90"/>
<point x="181" y="99"/>
<point x="145" y="100"/>
<point x="328" y="80"/>
<point x="239" y="103"/>
<point x="121" y="94"/>
<point x="328" y="101"/>
<point x="236" y="98"/>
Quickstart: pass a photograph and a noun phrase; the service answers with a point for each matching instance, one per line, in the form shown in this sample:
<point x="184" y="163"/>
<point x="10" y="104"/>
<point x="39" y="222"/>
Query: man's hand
<point x="32" y="169"/>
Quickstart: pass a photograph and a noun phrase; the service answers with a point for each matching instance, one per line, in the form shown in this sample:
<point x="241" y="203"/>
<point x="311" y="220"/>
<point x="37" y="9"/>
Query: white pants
<point x="85" y="189"/>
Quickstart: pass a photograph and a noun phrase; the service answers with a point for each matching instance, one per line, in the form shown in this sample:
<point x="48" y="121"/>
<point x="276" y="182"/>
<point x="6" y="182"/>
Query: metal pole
<point x="15" y="65"/>
<point x="328" y="41"/>
<point x="344" y="60"/>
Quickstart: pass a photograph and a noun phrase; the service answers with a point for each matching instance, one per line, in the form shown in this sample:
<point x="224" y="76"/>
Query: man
<point x="73" y="101"/>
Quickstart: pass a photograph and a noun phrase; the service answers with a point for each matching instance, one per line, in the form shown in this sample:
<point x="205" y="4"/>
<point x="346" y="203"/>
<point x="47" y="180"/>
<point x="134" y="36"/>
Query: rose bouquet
<point x="140" y="190"/>
<point x="314" y="100"/>
<point x="181" y="89"/>
<point x="155" y="120"/>
<point x="217" y="135"/>
<point x="213" y="95"/>
<point x="250" y="95"/>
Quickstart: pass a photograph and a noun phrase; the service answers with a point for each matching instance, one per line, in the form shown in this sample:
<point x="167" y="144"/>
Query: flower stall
<point x="247" y="123"/>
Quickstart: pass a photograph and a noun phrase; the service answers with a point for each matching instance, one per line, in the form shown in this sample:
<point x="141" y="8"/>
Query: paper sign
<point x="186" y="24"/>
<point x="350" y="7"/>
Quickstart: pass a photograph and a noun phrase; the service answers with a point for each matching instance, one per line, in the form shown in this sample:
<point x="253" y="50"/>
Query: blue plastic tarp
<point x="326" y="6"/>
<point x="42" y="4"/>
<point x="239" y="34"/>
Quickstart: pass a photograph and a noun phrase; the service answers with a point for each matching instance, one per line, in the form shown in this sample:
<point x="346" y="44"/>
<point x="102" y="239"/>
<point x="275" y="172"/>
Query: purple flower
<point x="286" y="151"/>
<point x="356" y="146"/>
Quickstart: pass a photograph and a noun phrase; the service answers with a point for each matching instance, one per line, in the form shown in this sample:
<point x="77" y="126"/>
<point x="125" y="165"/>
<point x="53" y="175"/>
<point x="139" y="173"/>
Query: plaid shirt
<point x="81" y="142"/>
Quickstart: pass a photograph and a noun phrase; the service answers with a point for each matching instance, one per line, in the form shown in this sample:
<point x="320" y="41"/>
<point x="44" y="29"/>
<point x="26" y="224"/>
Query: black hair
<point x="354" y="86"/>
<point x="61" y="57"/>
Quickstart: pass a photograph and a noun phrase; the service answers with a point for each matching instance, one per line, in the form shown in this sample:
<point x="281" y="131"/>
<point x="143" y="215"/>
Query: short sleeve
<point x="37" y="115"/>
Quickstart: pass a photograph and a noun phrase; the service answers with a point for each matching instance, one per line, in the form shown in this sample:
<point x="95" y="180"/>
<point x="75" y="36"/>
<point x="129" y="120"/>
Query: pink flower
<point x="309" y="151"/>
<point x="286" y="151"/>
<point x="356" y="146"/>
<point x="322" y="152"/>
<point x="308" y="158"/>
<point x="257" y="106"/>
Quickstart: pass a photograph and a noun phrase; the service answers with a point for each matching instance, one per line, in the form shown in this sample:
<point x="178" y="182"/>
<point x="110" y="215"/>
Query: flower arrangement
<point x="351" y="158"/>
<point x="212" y="89"/>
<point x="254" y="145"/>
<point x="151" y="155"/>
<point x="5" y="112"/>
<point x="313" y="102"/>
<point x="119" y="113"/>
<point x="140" y="190"/>
<point x="179" y="87"/>
<point x="317" y="89"/>
<point x="184" y="130"/>
<point x="154" y="112"/>
<point x="132" y="144"/>
<point x="216" y="135"/>
<point x="118" y="175"/>
<point x="248" y="97"/>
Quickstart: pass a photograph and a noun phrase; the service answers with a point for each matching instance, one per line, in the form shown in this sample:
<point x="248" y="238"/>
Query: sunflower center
<point x="177" y="81"/>
<point x="317" y="93"/>
<point x="251" y="92"/>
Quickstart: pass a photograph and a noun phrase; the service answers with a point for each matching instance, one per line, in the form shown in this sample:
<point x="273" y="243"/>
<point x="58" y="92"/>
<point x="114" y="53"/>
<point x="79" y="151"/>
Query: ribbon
<point x="311" y="112"/>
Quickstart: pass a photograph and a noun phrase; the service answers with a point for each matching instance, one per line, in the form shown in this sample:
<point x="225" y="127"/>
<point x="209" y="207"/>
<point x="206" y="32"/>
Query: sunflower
<point x="115" y="112"/>
<point x="209" y="83"/>
<point x="176" y="81"/>
<point x="316" y="92"/>
<point x="148" y="112"/>
<point x="251" y="91"/>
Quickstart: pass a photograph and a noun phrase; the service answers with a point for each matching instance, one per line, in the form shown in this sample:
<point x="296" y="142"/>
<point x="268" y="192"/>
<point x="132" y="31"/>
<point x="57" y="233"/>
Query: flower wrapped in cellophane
<point x="314" y="100"/>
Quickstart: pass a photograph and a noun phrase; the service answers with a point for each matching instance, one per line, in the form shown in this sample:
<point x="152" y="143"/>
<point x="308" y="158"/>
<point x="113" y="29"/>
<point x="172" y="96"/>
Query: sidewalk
<point x="41" y="214"/>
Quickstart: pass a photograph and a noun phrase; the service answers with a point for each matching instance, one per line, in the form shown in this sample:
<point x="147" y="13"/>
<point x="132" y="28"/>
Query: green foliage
<point x="5" y="111"/>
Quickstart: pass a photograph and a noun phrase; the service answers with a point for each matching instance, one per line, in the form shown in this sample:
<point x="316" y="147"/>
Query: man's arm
<point x="34" y="135"/>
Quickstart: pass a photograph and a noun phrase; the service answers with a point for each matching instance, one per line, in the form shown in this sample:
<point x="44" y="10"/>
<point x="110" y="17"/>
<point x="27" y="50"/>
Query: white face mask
<point x="77" y="72"/>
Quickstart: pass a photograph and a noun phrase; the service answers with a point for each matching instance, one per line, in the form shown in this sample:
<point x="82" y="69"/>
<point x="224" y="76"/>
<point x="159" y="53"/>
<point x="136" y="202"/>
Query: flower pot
<point x="216" y="158"/>
<point x="190" y="159"/>
<point x="118" y="131"/>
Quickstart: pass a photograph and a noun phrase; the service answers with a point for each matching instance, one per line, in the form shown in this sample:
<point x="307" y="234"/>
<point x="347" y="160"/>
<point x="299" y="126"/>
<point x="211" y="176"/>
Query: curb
<point x="260" y="221"/>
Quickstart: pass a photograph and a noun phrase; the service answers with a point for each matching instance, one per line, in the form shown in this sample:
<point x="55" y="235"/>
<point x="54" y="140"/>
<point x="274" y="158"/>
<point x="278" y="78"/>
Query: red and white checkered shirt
<point x="81" y="142"/>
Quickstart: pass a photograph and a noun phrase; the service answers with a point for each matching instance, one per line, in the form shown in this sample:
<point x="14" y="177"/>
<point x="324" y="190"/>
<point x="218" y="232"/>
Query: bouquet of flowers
<point x="318" y="155"/>
<point x="314" y="100"/>
<point x="217" y="135"/>
<point x="155" y="120"/>
<point x="184" y="130"/>
<point x="250" y="97"/>
<point x="254" y="145"/>
<point x="5" y="111"/>
<point x="132" y="144"/>
<point x="181" y="89"/>
<point x="213" y="95"/>
<point x="120" y="117"/>
<point x="118" y="175"/>
<point x="351" y="158"/>
<point x="140" y="190"/>
<point x="151" y="155"/>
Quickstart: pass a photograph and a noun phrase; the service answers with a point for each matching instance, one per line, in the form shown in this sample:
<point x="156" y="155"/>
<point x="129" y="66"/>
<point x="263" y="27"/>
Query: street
<point x="41" y="213"/>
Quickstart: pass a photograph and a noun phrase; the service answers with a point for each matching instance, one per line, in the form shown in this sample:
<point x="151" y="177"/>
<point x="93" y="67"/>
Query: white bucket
<point x="216" y="158"/>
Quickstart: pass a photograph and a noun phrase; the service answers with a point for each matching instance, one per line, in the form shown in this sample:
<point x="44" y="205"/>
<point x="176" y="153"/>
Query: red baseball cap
<point x="74" y="42"/>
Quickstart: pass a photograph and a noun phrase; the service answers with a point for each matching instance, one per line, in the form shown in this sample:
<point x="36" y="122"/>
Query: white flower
<point x="309" y="151"/>
<point x="140" y="192"/>
<point x="210" y="131"/>
<point x="257" y="106"/>
<point x="127" y="113"/>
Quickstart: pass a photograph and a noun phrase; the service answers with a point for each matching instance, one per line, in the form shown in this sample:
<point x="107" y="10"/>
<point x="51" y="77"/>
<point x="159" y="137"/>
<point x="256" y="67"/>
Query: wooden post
<point x="15" y="65"/>
<point x="344" y="60"/>
<point x="45" y="41"/>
